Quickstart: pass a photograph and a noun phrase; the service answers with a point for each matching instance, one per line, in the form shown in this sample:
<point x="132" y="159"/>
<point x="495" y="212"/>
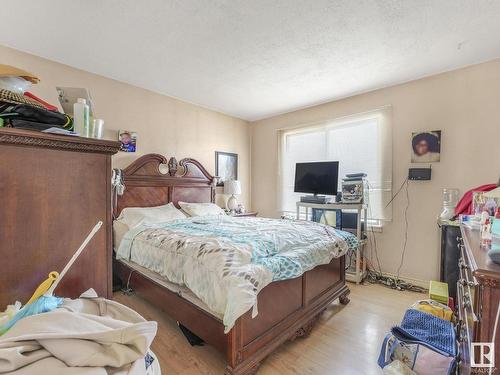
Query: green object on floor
<point x="1" y="122"/>
<point x="438" y="292"/>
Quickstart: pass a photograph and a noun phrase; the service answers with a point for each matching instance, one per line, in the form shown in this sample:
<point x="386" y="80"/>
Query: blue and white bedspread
<point x="226" y="261"/>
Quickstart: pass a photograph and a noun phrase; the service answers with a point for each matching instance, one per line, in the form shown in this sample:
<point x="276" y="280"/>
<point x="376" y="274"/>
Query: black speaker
<point x="350" y="222"/>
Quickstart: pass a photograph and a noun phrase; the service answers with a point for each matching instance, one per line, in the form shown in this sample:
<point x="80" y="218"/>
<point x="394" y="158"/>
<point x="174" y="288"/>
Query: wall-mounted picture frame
<point x="226" y="166"/>
<point x="426" y="146"/>
<point x="128" y="140"/>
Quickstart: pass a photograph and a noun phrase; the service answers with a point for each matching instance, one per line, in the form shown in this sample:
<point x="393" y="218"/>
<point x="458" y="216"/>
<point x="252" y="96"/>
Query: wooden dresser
<point x="53" y="190"/>
<point x="478" y="298"/>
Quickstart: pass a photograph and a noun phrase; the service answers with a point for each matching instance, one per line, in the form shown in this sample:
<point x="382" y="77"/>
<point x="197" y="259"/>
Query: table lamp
<point x="232" y="187"/>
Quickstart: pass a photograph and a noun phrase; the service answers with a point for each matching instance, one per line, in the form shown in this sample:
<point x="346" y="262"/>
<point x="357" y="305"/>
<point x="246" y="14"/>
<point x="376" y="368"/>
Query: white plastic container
<point x="450" y="199"/>
<point x="98" y="128"/>
<point x="16" y="84"/>
<point x="81" y="118"/>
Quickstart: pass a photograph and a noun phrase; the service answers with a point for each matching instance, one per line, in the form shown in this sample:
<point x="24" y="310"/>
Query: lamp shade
<point x="232" y="187"/>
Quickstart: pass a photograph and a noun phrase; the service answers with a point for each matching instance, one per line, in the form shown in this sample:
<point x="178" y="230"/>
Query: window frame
<point x="383" y="114"/>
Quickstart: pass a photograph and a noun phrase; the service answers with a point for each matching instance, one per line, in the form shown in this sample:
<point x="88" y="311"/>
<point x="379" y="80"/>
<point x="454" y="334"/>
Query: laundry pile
<point x="423" y="344"/>
<point x="23" y="110"/>
<point x="85" y="336"/>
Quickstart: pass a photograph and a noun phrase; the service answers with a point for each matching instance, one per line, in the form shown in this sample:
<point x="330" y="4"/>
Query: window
<point x="361" y="143"/>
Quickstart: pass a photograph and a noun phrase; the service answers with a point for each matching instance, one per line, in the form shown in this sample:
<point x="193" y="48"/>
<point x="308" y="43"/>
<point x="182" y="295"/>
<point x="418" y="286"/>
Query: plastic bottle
<point x="495" y="228"/>
<point x="486" y="233"/>
<point x="494" y="253"/>
<point x="81" y="118"/>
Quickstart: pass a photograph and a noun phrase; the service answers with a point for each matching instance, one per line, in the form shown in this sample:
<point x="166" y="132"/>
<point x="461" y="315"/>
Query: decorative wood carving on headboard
<point x="147" y="186"/>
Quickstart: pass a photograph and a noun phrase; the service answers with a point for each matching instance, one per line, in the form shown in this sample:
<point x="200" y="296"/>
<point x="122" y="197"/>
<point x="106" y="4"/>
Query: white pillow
<point x="134" y="216"/>
<point x="201" y="209"/>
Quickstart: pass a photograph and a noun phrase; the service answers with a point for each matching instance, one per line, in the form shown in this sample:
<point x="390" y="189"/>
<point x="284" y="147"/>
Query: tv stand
<point x="359" y="273"/>
<point x="317" y="199"/>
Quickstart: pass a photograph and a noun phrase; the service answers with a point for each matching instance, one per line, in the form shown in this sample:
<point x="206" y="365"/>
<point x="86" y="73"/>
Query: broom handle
<point x="50" y="292"/>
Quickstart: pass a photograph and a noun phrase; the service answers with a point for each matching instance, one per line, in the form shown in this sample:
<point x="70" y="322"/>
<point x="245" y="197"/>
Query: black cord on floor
<point x="393" y="283"/>
<point x="128" y="290"/>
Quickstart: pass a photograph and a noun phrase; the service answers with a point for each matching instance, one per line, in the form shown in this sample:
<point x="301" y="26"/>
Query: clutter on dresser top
<point x="22" y="109"/>
<point x="479" y="208"/>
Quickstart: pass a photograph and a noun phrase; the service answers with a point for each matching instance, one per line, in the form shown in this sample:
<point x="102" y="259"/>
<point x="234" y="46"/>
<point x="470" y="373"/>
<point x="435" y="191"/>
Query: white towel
<point x="85" y="336"/>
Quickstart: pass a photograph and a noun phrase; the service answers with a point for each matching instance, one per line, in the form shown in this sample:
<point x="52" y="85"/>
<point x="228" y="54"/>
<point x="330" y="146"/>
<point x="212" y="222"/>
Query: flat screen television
<point x="317" y="177"/>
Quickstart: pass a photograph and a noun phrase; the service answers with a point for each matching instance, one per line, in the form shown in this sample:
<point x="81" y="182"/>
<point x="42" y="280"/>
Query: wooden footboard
<point x="287" y="310"/>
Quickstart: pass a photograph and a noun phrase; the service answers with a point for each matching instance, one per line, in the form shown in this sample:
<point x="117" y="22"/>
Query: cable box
<point x="317" y="199"/>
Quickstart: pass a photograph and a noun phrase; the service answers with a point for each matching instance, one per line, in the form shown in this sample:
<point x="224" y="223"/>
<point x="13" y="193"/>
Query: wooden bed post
<point x="234" y="354"/>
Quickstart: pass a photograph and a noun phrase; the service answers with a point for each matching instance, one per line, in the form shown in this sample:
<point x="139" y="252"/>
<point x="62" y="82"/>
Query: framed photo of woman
<point x="426" y="146"/>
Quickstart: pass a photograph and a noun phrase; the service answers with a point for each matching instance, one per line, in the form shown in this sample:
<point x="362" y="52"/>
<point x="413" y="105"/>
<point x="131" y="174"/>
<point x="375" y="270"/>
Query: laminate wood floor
<point x="345" y="341"/>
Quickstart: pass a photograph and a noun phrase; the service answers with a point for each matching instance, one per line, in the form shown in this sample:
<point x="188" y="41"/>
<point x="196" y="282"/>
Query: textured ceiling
<point x="256" y="58"/>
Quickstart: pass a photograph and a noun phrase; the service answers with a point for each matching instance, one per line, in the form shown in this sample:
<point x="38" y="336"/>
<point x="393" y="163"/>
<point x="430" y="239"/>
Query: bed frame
<point x="287" y="309"/>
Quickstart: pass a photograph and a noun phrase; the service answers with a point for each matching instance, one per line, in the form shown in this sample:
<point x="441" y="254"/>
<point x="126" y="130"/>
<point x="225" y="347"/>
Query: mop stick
<point x="50" y="292"/>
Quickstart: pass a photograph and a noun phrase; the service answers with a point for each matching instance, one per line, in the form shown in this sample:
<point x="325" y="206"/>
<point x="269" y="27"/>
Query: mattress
<point x="119" y="231"/>
<point x="180" y="290"/>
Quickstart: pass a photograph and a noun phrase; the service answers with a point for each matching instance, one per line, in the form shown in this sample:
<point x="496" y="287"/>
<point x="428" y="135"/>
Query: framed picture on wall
<point x="226" y="166"/>
<point x="128" y="140"/>
<point x="426" y="146"/>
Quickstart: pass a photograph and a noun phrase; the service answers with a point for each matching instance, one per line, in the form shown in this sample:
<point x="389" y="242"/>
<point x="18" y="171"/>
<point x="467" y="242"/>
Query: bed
<point x="287" y="309"/>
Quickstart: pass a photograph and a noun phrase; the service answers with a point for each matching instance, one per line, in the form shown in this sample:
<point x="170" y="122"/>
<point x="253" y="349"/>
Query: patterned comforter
<point x="226" y="261"/>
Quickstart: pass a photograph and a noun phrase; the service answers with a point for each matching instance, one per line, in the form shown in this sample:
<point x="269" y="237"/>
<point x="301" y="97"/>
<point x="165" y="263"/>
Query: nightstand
<point x="250" y="213"/>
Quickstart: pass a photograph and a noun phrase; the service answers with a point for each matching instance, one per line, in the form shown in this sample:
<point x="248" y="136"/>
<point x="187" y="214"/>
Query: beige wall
<point x="464" y="104"/>
<point x="165" y="125"/>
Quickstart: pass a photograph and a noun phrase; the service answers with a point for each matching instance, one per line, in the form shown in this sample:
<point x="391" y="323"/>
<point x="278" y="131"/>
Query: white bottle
<point x="81" y="118"/>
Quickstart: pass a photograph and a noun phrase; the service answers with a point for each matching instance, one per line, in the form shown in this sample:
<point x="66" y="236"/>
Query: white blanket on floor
<point x="85" y="336"/>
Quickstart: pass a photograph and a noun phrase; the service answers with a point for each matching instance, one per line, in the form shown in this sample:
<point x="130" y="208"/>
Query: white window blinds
<point x="361" y="143"/>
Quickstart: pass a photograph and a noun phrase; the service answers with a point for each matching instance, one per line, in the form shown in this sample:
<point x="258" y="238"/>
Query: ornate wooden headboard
<point x="147" y="186"/>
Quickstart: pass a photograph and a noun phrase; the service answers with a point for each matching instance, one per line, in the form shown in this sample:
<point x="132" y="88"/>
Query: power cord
<point x="118" y="188"/>
<point x="397" y="193"/>
<point x="394" y="282"/>
<point x="373" y="238"/>
<point x="406" y="231"/>
<point x="128" y="290"/>
<point x="348" y="262"/>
